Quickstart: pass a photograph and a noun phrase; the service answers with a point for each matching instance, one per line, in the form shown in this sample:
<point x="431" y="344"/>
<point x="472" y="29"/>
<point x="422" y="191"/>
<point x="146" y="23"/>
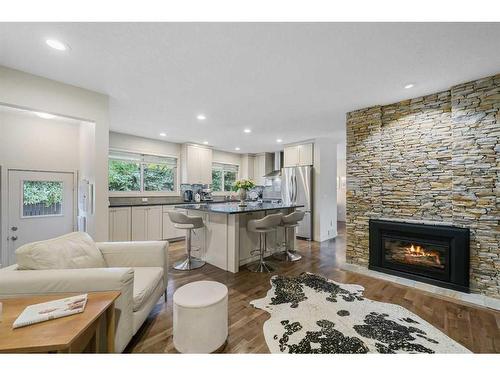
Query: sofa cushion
<point x="146" y="279"/>
<point x="73" y="250"/>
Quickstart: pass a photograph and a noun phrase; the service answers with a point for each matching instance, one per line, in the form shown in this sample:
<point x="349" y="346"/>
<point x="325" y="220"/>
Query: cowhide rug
<point x="311" y="314"/>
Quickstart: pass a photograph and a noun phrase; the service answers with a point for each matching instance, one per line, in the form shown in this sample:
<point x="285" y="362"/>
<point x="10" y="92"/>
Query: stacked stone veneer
<point x="433" y="158"/>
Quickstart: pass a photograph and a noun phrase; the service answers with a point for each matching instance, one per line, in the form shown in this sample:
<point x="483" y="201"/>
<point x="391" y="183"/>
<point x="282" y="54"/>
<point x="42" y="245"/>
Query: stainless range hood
<point x="278" y="161"/>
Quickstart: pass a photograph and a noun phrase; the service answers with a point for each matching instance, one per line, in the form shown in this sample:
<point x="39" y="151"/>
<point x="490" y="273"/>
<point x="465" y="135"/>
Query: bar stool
<point x="288" y="222"/>
<point x="263" y="226"/>
<point x="182" y="221"/>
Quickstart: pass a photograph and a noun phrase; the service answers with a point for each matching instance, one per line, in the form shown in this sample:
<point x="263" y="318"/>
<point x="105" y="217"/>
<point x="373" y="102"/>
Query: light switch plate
<point x="144" y="200"/>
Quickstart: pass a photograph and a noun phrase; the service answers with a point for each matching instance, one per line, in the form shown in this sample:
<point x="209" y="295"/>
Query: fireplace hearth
<point x="435" y="254"/>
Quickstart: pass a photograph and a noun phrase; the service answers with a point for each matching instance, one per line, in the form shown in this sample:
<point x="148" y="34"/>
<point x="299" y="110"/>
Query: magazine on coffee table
<point x="42" y="312"/>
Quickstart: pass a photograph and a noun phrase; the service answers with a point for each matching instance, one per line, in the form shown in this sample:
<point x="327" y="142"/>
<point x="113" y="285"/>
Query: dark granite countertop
<point x="234" y="208"/>
<point x="179" y="203"/>
<point x="136" y="204"/>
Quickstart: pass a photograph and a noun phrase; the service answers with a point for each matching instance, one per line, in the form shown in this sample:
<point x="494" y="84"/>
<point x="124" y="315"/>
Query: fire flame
<point x="419" y="251"/>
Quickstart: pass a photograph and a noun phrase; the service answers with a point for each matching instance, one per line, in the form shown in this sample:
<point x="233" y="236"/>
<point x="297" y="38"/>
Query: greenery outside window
<point x="42" y="198"/>
<point x="131" y="172"/>
<point x="223" y="177"/>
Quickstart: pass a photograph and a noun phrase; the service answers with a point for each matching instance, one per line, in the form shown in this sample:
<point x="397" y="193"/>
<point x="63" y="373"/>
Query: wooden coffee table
<point x="71" y="334"/>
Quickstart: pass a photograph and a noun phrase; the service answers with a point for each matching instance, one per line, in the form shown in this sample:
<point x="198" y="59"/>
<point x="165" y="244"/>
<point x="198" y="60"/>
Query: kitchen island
<point x="224" y="241"/>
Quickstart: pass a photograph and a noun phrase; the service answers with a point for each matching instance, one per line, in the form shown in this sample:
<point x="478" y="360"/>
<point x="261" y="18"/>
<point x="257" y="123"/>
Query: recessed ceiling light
<point x="44" y="115"/>
<point x="201" y="117"/>
<point x="56" y="44"/>
<point x="247" y="130"/>
<point x="163" y="134"/>
<point x="237" y="148"/>
<point x="205" y="142"/>
<point x="279" y="140"/>
<point x="409" y="85"/>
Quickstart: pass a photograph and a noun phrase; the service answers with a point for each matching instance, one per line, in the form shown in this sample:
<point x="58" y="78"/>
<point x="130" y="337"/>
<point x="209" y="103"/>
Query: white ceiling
<point x="293" y="81"/>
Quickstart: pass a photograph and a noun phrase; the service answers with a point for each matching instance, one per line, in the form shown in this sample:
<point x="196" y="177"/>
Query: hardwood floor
<point x="476" y="328"/>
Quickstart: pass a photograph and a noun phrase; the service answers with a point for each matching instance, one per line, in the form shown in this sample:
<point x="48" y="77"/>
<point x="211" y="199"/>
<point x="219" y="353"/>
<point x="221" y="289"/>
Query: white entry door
<point x="41" y="206"/>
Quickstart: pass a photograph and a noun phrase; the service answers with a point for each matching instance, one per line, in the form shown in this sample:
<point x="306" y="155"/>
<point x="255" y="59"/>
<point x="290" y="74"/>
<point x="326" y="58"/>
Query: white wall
<point x="143" y="145"/>
<point x="341" y="181"/>
<point x="128" y="142"/>
<point x="227" y="158"/>
<point x="41" y="94"/>
<point x="325" y="189"/>
<point x="29" y="142"/>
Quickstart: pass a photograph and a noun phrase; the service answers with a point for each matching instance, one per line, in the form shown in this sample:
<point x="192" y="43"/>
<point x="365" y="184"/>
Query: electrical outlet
<point x="144" y="200"/>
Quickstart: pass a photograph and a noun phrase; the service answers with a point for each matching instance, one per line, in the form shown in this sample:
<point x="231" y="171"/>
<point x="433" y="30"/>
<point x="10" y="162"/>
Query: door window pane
<point x="217" y="179"/>
<point x="42" y="198"/>
<point x="124" y="175"/>
<point x="159" y="177"/>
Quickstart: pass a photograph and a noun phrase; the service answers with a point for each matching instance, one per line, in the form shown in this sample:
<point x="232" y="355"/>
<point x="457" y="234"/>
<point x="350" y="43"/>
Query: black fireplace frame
<point x="457" y="265"/>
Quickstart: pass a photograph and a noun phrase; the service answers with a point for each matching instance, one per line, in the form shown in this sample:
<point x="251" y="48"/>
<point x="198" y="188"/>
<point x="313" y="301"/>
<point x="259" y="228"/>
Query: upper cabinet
<point x="297" y="155"/>
<point x="196" y="164"/>
<point x="306" y="154"/>
<point x="263" y="164"/>
<point x="291" y="156"/>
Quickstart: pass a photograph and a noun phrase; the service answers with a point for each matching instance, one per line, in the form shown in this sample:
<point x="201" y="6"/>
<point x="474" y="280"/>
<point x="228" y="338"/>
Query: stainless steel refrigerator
<point x="296" y="188"/>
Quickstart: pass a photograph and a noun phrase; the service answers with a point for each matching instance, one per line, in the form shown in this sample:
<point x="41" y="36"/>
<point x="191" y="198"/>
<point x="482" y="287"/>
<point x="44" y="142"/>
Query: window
<point x="224" y="176"/>
<point x="141" y="173"/>
<point x="42" y="198"/>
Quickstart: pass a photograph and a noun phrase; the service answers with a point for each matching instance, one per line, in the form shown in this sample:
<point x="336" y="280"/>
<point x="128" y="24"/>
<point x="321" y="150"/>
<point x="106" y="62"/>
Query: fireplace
<point x="435" y="254"/>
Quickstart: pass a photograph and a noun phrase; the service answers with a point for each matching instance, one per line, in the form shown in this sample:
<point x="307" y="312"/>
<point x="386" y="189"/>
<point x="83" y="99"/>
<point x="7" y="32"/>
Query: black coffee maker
<point x="188" y="195"/>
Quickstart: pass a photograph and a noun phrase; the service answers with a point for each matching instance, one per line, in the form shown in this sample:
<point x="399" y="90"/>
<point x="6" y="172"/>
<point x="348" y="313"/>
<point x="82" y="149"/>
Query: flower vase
<point x="242" y="194"/>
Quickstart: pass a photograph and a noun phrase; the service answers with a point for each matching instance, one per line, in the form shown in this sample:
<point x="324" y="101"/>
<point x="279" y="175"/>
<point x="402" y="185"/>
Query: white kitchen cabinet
<point x="169" y="230"/>
<point x="291" y="156"/>
<point x="120" y="224"/>
<point x="196" y="164"/>
<point x="147" y="223"/>
<point x="298" y="155"/>
<point x="263" y="164"/>
<point x="306" y="154"/>
<point x="259" y="169"/>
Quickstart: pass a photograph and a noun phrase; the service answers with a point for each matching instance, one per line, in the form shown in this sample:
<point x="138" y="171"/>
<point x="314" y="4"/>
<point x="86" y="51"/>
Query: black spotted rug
<point x="311" y="314"/>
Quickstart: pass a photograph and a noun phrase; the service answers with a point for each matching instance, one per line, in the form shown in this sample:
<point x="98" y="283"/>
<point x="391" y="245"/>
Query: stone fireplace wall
<point x="434" y="158"/>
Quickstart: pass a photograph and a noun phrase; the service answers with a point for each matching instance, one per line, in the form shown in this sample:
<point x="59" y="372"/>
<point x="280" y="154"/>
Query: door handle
<point x="294" y="185"/>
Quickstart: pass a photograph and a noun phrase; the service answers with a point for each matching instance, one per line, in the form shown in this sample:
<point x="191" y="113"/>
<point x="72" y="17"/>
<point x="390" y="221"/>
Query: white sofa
<point x="137" y="269"/>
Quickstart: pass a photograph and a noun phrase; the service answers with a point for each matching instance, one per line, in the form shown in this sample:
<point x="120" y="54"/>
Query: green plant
<point x="158" y="177"/>
<point x="243" y="184"/>
<point x="124" y="176"/>
<point x="46" y="192"/>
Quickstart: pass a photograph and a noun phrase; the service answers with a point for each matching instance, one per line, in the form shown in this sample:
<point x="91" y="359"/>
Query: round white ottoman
<point x="200" y="317"/>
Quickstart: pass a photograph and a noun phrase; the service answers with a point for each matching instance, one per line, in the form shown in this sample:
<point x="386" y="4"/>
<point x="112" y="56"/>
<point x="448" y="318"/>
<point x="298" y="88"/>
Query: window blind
<point x="226" y="167"/>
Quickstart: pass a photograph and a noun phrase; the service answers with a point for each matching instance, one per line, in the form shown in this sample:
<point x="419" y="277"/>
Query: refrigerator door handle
<point x="296" y="189"/>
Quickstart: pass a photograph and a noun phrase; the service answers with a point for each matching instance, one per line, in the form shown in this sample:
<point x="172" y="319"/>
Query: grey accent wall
<point x="434" y="158"/>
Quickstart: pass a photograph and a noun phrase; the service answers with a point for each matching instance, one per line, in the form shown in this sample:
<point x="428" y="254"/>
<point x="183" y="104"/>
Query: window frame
<point x="143" y="160"/>
<point x="221" y="166"/>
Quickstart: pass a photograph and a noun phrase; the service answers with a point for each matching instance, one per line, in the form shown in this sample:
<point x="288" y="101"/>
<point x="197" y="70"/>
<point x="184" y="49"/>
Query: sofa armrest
<point x="33" y="282"/>
<point x="136" y="254"/>
<point x="23" y="283"/>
